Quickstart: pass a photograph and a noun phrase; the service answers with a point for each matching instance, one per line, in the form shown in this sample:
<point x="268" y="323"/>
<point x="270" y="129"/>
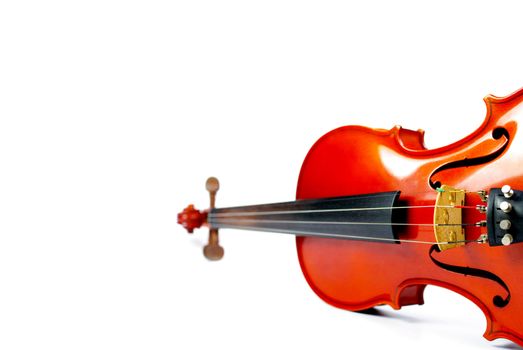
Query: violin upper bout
<point x="409" y="139"/>
<point x="498" y="106"/>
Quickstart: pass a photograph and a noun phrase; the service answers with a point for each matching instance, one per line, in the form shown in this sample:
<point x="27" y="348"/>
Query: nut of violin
<point x="191" y="218"/>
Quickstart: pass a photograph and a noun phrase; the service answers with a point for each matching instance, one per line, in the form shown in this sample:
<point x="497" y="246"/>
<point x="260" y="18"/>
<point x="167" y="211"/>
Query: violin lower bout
<point x="357" y="275"/>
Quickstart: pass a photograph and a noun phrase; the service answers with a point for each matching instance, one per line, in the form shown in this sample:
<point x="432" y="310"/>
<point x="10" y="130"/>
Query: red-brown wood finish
<point x="356" y="275"/>
<point x="191" y="218"/>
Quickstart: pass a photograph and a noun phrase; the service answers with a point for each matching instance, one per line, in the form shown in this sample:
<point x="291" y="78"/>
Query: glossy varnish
<point x="357" y="275"/>
<point x="355" y="162"/>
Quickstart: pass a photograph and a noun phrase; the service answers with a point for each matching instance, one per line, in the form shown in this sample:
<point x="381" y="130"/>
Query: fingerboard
<point x="366" y="217"/>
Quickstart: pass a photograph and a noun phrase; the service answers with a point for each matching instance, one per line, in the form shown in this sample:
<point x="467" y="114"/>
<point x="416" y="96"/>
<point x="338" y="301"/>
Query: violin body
<point x="358" y="274"/>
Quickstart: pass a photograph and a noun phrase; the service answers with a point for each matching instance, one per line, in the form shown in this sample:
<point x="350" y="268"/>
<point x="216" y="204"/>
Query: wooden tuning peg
<point x="191" y="218"/>
<point x="213" y="250"/>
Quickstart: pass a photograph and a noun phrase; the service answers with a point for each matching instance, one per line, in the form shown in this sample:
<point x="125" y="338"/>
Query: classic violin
<point x="376" y="202"/>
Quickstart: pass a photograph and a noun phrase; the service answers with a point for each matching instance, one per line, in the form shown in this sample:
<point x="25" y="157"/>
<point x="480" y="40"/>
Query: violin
<point x="378" y="217"/>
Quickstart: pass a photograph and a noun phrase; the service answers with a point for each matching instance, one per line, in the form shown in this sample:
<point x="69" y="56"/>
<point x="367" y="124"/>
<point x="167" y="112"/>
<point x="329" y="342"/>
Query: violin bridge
<point x="448" y="228"/>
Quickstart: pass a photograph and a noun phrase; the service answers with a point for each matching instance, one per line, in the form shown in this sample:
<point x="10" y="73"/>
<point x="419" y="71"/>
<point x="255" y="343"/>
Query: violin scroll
<point x="191" y="218"/>
<point x="213" y="250"/>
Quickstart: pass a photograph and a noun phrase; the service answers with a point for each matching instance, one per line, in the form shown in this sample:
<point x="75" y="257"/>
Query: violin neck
<point x="358" y="217"/>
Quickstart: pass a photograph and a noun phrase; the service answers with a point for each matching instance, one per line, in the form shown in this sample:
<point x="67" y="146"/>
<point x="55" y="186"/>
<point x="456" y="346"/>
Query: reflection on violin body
<point x="378" y="217"/>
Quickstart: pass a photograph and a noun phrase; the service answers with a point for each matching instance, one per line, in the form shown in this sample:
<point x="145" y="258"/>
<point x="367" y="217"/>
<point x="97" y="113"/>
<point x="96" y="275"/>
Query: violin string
<point x="308" y="222"/>
<point x="333" y="235"/>
<point x="282" y="212"/>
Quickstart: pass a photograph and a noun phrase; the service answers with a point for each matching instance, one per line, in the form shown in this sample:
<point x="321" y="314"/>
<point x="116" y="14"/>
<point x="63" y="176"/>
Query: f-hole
<point x="497" y="134"/>
<point x="497" y="300"/>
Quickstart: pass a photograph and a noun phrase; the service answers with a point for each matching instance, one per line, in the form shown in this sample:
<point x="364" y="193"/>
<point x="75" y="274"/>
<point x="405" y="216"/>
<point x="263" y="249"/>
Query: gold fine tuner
<point x="213" y="250"/>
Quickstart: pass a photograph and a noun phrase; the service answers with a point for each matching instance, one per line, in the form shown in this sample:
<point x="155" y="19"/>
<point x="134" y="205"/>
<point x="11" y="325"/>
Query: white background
<point x="113" y="114"/>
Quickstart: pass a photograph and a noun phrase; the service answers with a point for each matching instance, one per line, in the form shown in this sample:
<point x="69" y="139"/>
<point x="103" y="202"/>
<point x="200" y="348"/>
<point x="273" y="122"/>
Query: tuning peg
<point x="192" y="218"/>
<point x="213" y="250"/>
<point x="212" y="185"/>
